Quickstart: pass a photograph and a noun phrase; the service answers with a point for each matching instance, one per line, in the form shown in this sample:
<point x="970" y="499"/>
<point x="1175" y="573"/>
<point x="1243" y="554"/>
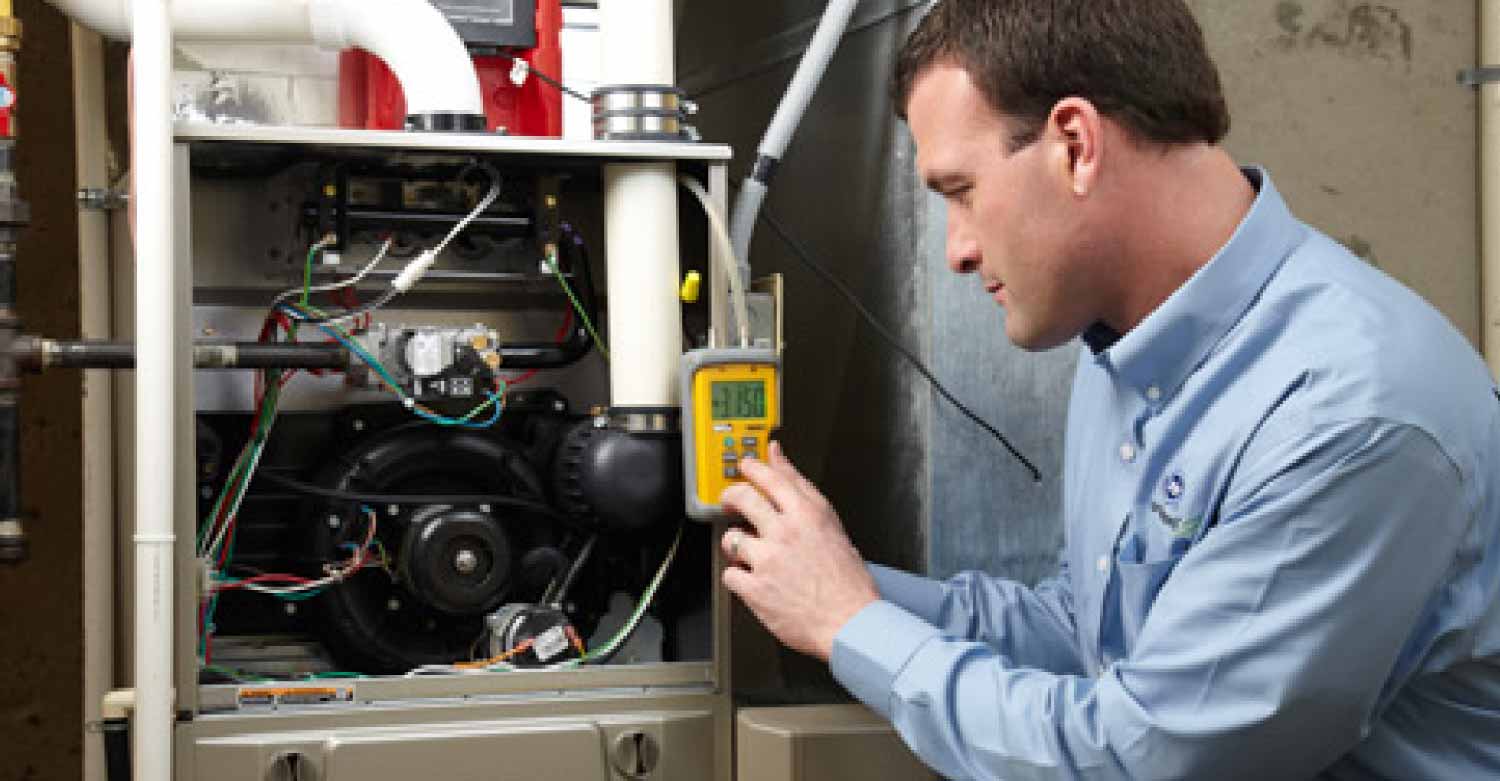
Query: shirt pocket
<point x="1144" y="561"/>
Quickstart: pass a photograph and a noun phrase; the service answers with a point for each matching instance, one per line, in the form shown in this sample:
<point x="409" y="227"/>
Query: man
<point x="1282" y="534"/>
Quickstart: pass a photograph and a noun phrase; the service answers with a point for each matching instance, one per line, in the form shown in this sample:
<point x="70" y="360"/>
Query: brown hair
<point x="1140" y="62"/>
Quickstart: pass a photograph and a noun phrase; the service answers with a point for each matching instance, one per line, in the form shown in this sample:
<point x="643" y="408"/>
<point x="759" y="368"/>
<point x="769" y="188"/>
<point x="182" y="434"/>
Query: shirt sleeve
<point x="1033" y="627"/>
<point x="1264" y="655"/>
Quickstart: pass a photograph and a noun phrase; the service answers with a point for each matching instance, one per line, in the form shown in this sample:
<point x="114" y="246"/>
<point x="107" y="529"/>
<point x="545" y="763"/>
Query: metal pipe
<point x="35" y="355"/>
<point x="156" y="398"/>
<point x="13" y="217"/>
<point x="97" y="483"/>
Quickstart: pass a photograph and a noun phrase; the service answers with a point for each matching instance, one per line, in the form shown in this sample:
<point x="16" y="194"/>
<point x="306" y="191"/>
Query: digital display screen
<point x="741" y="399"/>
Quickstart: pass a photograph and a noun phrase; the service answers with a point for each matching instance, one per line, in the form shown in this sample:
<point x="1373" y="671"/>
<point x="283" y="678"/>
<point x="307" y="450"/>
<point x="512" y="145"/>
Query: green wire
<point x="551" y="258"/>
<point x="307" y="271"/>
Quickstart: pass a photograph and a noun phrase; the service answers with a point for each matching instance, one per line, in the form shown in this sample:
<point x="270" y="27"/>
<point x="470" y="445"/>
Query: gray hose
<point x="783" y="124"/>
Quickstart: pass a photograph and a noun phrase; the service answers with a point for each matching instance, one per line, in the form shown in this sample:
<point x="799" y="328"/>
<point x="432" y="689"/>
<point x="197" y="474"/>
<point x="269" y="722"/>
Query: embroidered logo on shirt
<point x="1173" y="486"/>
<point x="1181" y="527"/>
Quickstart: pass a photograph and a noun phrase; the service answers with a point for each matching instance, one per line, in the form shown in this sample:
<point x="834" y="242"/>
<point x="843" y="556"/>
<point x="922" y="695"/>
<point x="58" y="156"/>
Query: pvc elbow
<point x="415" y="40"/>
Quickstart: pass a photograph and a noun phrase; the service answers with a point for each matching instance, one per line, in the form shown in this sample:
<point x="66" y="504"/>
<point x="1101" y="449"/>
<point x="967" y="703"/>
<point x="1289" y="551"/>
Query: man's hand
<point x="794" y="567"/>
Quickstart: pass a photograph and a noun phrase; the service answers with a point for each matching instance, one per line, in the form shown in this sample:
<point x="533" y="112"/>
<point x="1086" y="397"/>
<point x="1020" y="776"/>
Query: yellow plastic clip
<point x="691" y="285"/>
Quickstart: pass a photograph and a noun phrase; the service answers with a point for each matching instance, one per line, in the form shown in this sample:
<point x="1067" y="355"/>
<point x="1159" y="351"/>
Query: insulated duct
<point x="411" y="36"/>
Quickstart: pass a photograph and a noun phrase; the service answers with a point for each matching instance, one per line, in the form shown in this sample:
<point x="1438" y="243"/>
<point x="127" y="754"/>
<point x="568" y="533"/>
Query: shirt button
<point x="1127" y="452"/>
<point x="1103" y="564"/>
<point x="1153" y="393"/>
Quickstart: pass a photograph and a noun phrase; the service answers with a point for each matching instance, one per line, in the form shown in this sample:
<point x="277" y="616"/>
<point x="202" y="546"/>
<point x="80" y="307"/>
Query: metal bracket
<point x="102" y="198"/>
<point x="1478" y="77"/>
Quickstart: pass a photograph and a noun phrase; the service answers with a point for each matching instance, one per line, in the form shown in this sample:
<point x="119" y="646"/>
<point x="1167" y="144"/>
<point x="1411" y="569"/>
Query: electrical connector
<point x="414" y="271"/>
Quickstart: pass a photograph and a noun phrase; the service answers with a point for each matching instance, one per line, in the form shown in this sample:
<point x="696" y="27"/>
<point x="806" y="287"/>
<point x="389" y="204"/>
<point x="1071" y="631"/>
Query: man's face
<point x="1013" y="218"/>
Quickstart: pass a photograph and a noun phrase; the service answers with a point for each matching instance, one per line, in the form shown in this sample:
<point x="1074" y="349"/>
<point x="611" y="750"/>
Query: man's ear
<point x="1078" y="132"/>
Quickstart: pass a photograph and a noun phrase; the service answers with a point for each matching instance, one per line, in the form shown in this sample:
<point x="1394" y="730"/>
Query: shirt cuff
<point x="922" y="596"/>
<point x="872" y="649"/>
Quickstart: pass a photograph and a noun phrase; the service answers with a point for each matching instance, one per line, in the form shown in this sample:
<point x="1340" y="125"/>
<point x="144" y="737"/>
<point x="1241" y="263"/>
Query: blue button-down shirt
<point x="1282" y="550"/>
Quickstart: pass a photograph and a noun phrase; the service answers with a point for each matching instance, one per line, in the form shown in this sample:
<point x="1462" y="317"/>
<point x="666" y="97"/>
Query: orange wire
<point x="522" y="648"/>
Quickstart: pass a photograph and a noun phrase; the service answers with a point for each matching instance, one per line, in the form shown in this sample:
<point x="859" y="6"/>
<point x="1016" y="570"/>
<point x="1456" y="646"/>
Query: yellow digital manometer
<point x="731" y="402"/>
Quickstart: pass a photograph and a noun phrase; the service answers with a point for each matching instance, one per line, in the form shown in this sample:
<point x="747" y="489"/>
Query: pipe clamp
<point x="1478" y="77"/>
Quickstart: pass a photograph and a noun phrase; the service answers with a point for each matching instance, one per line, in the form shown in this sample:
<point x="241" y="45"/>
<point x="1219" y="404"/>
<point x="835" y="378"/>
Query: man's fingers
<point x="782" y="491"/>
<point x="748" y="503"/>
<point x="737" y="544"/>
<point x="737" y="581"/>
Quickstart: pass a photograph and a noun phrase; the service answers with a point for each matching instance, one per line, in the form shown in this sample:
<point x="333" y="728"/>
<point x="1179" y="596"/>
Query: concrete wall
<point x="1355" y="109"/>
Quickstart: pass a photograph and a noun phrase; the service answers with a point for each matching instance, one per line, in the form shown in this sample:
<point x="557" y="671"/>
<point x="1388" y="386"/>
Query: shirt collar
<point x="1157" y="356"/>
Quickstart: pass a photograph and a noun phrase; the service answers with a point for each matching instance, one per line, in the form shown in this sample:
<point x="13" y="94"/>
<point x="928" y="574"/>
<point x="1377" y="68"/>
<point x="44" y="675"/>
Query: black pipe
<point x="546" y="355"/>
<point x="38" y="354"/>
<point x="14" y="216"/>
<point x="117" y="749"/>
<point x="507" y="226"/>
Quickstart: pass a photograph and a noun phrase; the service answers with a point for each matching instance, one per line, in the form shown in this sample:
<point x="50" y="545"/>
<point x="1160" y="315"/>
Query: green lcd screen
<point x="740" y="399"/>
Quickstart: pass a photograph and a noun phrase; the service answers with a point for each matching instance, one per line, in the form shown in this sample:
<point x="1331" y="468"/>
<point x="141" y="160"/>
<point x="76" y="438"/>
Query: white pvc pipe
<point x="1489" y="188"/>
<point x="645" y="315"/>
<point x="637" y="42"/>
<point x="640" y="205"/>
<point x="156" y="392"/>
<point x="784" y="123"/>
<point x="411" y="36"/>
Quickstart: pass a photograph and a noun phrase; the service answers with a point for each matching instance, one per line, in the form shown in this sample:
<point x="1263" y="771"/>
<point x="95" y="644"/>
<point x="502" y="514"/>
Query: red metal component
<point x="371" y="98"/>
<point x="7" y="103"/>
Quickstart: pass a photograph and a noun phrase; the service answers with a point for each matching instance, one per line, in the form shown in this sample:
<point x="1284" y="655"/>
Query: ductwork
<point x="411" y="36"/>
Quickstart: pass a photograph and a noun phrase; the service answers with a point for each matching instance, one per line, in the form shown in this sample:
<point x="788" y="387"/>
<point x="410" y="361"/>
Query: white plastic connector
<point x="414" y="271"/>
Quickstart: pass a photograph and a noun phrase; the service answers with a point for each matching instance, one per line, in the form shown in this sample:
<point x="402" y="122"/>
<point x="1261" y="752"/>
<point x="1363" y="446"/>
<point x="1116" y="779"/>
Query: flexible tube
<point x="156" y="389"/>
<point x="411" y="36"/>
<point x="721" y="235"/>
<point x="783" y="124"/>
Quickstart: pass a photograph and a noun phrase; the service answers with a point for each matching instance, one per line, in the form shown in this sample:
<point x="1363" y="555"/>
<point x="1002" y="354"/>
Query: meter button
<point x="750" y="443"/>
<point x="728" y="442"/>
<point x="731" y="472"/>
<point x="731" y="457"/>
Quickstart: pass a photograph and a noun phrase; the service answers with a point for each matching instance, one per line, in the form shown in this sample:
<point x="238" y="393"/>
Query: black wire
<point x="500" y="500"/>
<point x="554" y="83"/>
<point x="890" y="339"/>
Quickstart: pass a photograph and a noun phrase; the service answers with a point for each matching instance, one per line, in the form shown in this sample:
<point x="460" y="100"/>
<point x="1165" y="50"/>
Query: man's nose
<point x="963" y="250"/>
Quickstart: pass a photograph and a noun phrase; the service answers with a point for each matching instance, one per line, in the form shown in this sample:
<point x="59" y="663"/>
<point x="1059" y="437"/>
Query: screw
<point x="393" y="604"/>
<point x="484" y="508"/>
<point x="290" y="608"/>
<point x="558" y="405"/>
<point x="358" y="424"/>
<point x="393" y="509"/>
<point x="465" y="562"/>
<point x="333" y="522"/>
